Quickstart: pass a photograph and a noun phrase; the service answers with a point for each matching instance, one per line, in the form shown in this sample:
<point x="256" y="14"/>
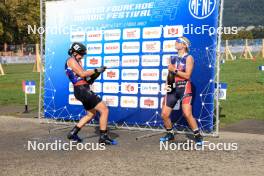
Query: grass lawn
<point x="245" y="93"/>
<point x="11" y="85"/>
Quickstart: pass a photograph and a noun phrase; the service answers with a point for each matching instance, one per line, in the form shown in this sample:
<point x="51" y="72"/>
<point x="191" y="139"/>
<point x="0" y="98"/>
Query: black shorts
<point x="88" y="98"/>
<point x="182" y="92"/>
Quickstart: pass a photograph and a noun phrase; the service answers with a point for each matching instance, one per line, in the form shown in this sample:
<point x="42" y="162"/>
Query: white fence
<point x="17" y="59"/>
<point x="17" y="54"/>
<point x="238" y="46"/>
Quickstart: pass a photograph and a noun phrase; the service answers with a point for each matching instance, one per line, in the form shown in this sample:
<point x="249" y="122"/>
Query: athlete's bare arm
<point x="72" y="63"/>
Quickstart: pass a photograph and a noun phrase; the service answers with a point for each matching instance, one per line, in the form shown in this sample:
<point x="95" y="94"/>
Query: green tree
<point x="258" y="33"/>
<point x="243" y="34"/>
<point x="16" y="15"/>
<point x="1" y="29"/>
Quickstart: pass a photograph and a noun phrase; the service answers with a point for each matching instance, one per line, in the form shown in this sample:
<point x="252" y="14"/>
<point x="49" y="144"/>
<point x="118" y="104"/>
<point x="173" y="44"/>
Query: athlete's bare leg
<point x="187" y="113"/>
<point x="103" y="109"/>
<point x="165" y="114"/>
<point x="86" y="118"/>
<point x="72" y="135"/>
<point x="104" y="138"/>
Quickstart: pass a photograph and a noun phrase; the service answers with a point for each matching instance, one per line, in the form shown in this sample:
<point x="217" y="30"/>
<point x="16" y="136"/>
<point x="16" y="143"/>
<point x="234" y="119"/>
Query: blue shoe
<point x="198" y="139"/>
<point x="74" y="138"/>
<point x="105" y="139"/>
<point x="167" y="137"/>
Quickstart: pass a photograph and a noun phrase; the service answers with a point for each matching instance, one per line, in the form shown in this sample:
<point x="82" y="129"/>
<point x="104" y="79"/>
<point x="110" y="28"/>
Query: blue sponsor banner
<point x="135" y="38"/>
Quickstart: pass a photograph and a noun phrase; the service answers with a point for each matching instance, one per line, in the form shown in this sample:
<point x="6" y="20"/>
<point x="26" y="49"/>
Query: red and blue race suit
<point x="182" y="88"/>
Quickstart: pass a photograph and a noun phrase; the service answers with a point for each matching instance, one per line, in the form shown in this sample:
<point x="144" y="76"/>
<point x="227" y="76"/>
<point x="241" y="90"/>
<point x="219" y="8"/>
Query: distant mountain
<point x="243" y="13"/>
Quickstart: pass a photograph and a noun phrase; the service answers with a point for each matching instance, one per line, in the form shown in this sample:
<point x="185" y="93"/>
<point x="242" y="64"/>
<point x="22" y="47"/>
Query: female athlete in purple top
<point x="91" y="102"/>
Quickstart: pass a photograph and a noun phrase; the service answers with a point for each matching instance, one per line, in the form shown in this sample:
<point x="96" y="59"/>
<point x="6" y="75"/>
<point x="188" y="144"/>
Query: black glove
<point x="171" y="78"/>
<point x="100" y="70"/>
<point x="94" y="76"/>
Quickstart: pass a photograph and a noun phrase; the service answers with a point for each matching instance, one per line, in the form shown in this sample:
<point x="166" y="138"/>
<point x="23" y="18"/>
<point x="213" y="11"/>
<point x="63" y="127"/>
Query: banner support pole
<point x="41" y="58"/>
<point x="26" y="103"/>
<point x="218" y="66"/>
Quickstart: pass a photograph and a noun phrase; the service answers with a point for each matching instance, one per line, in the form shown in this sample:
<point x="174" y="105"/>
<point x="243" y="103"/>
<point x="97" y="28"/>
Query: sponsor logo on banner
<point x="94" y="61"/>
<point x="164" y="74"/>
<point x="130" y="74"/>
<point x="95" y="48"/>
<point x="129" y="88"/>
<point x="96" y="87"/>
<point x="201" y="9"/>
<point x="169" y="46"/>
<point x="110" y="48"/>
<point x="151" y="47"/>
<point x="163" y="89"/>
<point x="73" y="100"/>
<point x="166" y="59"/>
<point x="114" y="34"/>
<point x="71" y="89"/>
<point x="149" y="102"/>
<point x="94" y="36"/>
<point x="173" y="31"/>
<point x="149" y="88"/>
<point x="110" y="87"/>
<point x="130" y="61"/>
<point x="130" y="47"/>
<point x="150" y="60"/>
<point x="131" y="33"/>
<point x="111" y="74"/>
<point x="151" y="32"/>
<point x="111" y="101"/>
<point x="129" y="102"/>
<point x="150" y="74"/>
<point x="77" y="36"/>
<point x="111" y="61"/>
